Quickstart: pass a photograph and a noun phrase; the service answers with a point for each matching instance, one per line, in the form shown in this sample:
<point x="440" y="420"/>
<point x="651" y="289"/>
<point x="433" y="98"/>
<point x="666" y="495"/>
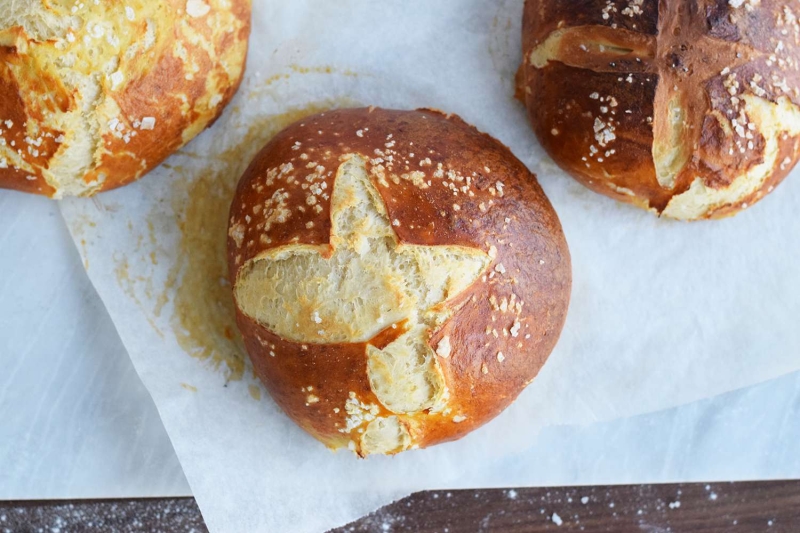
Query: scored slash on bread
<point x="688" y="108"/>
<point x="399" y="277"/>
<point x="93" y="95"/>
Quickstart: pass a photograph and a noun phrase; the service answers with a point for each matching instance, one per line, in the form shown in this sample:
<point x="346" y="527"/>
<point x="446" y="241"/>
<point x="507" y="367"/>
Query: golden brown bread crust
<point x="689" y="108"/>
<point x="500" y="210"/>
<point x="95" y="95"/>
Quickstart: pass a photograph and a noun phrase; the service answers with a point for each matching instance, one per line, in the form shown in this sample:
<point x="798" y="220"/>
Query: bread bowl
<point x="93" y="95"/>
<point x="399" y="277"/>
<point x="686" y="108"/>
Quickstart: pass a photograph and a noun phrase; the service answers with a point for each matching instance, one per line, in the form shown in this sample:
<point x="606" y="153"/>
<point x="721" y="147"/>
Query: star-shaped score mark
<point x="683" y="55"/>
<point x="364" y="283"/>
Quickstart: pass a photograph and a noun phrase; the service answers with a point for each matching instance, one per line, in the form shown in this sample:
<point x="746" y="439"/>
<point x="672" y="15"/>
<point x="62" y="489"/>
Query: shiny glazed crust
<point x="687" y="108"/>
<point x="444" y="185"/>
<point x="93" y="95"/>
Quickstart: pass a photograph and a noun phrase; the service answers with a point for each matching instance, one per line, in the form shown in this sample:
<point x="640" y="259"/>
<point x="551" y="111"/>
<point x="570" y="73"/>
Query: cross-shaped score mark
<point x="719" y="110"/>
<point x="683" y="56"/>
<point x="365" y="283"/>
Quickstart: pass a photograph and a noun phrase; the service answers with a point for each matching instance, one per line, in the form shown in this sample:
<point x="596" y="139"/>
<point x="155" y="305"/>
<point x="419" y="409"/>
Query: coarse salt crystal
<point x="443" y="349"/>
<point x="197" y="8"/>
<point x="116" y="79"/>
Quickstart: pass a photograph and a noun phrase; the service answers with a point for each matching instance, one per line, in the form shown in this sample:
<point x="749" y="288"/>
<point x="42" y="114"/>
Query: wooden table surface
<point x="770" y="507"/>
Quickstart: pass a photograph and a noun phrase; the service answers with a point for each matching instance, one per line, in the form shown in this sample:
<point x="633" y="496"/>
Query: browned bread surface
<point x="686" y="107"/>
<point x="399" y="276"/>
<point x="93" y="95"/>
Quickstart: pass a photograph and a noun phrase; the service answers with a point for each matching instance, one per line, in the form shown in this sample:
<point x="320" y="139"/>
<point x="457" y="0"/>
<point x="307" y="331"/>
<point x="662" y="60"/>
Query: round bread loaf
<point x="399" y="277"/>
<point x="93" y="94"/>
<point x="687" y="108"/>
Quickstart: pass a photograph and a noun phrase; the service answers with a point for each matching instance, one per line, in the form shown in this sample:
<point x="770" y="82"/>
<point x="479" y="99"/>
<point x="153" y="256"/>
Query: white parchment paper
<point x="663" y="313"/>
<point x="75" y="420"/>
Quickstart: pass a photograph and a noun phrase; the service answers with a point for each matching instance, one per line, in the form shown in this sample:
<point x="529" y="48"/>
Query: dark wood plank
<point x="769" y="507"/>
<point x="178" y="515"/>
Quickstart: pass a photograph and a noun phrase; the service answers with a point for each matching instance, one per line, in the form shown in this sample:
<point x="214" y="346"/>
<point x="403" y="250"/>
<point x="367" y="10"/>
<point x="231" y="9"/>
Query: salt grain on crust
<point x="443" y="349"/>
<point x="148" y="123"/>
<point x="197" y="8"/>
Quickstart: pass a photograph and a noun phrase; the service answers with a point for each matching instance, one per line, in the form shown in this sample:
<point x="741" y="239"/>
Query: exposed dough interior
<point x="369" y="283"/>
